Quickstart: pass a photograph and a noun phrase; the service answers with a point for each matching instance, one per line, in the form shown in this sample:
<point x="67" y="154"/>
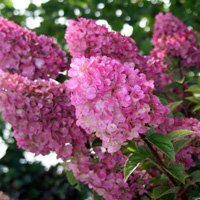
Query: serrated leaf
<point x="177" y="171"/>
<point x="162" y="191"/>
<point x="180" y="144"/>
<point x="174" y="105"/>
<point x="162" y="143"/>
<point x="180" y="133"/>
<point x="131" y="165"/>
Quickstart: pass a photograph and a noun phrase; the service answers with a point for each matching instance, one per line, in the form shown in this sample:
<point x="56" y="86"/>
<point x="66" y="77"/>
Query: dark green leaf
<point x="96" y="196"/>
<point x="196" y="108"/>
<point x="144" y="152"/>
<point x="162" y="191"/>
<point x="131" y="146"/>
<point x="71" y="179"/>
<point x="177" y="171"/>
<point x="174" y="105"/>
<point x="162" y="143"/>
<point x="180" y="144"/>
<point x="195" y="178"/>
<point x="156" y="180"/>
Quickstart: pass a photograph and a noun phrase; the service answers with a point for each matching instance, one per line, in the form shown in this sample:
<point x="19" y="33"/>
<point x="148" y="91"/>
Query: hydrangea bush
<point x="126" y="124"/>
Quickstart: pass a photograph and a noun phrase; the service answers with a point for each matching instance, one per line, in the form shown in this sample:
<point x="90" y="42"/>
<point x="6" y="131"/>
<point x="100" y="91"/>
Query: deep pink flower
<point x="113" y="100"/>
<point x="103" y="172"/>
<point x="41" y="115"/>
<point x="173" y="36"/>
<point x="155" y="68"/>
<point x="25" y="53"/>
<point x="86" y="38"/>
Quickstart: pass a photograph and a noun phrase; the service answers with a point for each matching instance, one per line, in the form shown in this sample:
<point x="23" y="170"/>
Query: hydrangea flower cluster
<point x="113" y="100"/>
<point x="109" y="98"/>
<point x="22" y="51"/>
<point x="102" y="172"/>
<point x="172" y="36"/>
<point x="191" y="151"/>
<point x="40" y="113"/>
<point x="86" y="38"/>
<point x="156" y="69"/>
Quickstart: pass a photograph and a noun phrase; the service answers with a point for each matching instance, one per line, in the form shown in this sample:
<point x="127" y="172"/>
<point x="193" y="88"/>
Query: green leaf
<point x="131" y="165"/>
<point x="162" y="191"/>
<point x="144" y="152"/>
<point x="163" y="100"/>
<point x="72" y="181"/>
<point x="177" y="171"/>
<point x="195" y="178"/>
<point x="156" y="180"/>
<point x="174" y="105"/>
<point x="131" y="146"/>
<point x="192" y="99"/>
<point x="194" y="89"/>
<point x="96" y="196"/>
<point x="180" y="144"/>
<point x="196" y="108"/>
<point x="177" y="76"/>
<point x="162" y="143"/>
<point x="180" y="133"/>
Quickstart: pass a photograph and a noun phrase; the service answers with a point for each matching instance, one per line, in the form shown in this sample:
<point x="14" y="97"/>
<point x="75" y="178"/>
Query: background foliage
<point x="22" y="180"/>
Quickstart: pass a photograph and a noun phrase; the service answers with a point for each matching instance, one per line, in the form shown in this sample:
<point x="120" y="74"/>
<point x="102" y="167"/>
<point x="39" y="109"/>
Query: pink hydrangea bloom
<point x="41" y="115"/>
<point x="113" y="100"/>
<point x="25" y="53"/>
<point x="177" y="39"/>
<point x="86" y="38"/>
<point x="186" y="155"/>
<point x="103" y="173"/>
<point x="156" y="68"/>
